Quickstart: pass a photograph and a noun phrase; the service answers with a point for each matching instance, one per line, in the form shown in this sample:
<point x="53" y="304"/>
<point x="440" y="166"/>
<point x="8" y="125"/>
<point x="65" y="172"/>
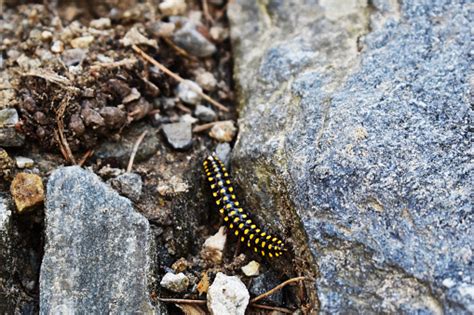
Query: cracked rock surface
<point x="353" y="140"/>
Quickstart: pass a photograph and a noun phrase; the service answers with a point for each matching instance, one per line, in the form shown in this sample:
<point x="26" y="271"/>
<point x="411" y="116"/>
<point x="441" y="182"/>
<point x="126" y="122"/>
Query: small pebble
<point x="205" y="114"/>
<point x="82" y="42"/>
<point x="92" y="117"/>
<point x="101" y="23"/>
<point x="251" y="269"/>
<point x="27" y="191"/>
<point x="172" y="7"/>
<point x="227" y="295"/>
<point x="223" y="152"/>
<point x="46" y="36"/>
<point x="188" y="119"/>
<point x="179" y="135"/>
<point x="8" y="117"/>
<point x="139" y="108"/>
<point x="214" y="247"/>
<point x="206" y="80"/>
<point x="128" y="184"/>
<point x="57" y="47"/>
<point x="10" y="136"/>
<point x="187" y="92"/>
<point x="6" y="164"/>
<point x="134" y="37"/>
<point x="133" y="96"/>
<point x="218" y="33"/>
<point x="114" y="117"/>
<point x="23" y="162"/>
<point x="73" y="56"/>
<point x="188" y="38"/>
<point x="223" y="131"/>
<point x="175" y="282"/>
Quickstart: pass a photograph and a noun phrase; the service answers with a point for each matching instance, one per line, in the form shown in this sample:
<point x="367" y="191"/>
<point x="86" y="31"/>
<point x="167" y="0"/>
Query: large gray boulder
<point x="96" y="257"/>
<point x="354" y="143"/>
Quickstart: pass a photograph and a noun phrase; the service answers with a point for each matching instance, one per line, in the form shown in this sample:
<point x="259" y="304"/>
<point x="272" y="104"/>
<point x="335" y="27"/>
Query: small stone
<point x="179" y="135"/>
<point x="101" y="23"/>
<point x="205" y="114"/>
<point x="206" y="80"/>
<point x="188" y="38"/>
<point x="227" y="295"/>
<point x="214" y="246"/>
<point x="119" y="88"/>
<point x="77" y="125"/>
<point x="163" y="29"/>
<point x="82" y="42"/>
<point x="223" y="131"/>
<point x="24" y="162"/>
<point x="114" y="117"/>
<point x="46" y="36"/>
<point x="175" y="282"/>
<point x="27" y="191"/>
<point x="6" y="164"/>
<point x="74" y="56"/>
<point x="223" y="152"/>
<point x="133" y="96"/>
<point x="92" y="117"/>
<point x="251" y="269"/>
<point x="180" y="265"/>
<point x="187" y="118"/>
<point x="8" y="117"/>
<point x="188" y="92"/>
<point x="218" y="33"/>
<point x="57" y="47"/>
<point x="134" y="37"/>
<point x="172" y="7"/>
<point x="128" y="184"/>
<point x="139" y="109"/>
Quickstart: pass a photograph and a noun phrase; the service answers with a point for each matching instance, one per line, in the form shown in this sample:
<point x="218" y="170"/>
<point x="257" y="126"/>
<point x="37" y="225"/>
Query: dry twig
<point x="63" y="144"/>
<point x="84" y="158"/>
<point x="183" y="301"/>
<point x="273" y="308"/>
<point x="278" y="287"/>
<point x="177" y="78"/>
<point x="135" y="149"/>
<point x="115" y="64"/>
<point x="204" y="127"/>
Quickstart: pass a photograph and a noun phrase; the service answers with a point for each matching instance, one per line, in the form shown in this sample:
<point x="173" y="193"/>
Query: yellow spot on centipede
<point x="244" y="216"/>
<point x="242" y="239"/>
<point x="257" y="240"/>
<point x="236" y="203"/>
<point x="220" y="183"/>
<point x="208" y="173"/>
<point x="269" y="237"/>
<point x="277" y="254"/>
<point x="246" y="231"/>
<point x="205" y="163"/>
<point x="227" y="182"/>
<point x="231" y="189"/>
<point x="237" y="219"/>
<point x="214" y="194"/>
<point x="253" y="226"/>
<point x="213" y="186"/>
<point x="255" y="249"/>
<point x="263" y="253"/>
<point x="226" y="219"/>
<point x="232" y="196"/>
<point x="225" y="174"/>
<point x="270" y="246"/>
<point x="279" y="242"/>
<point x="221" y="210"/>
<point x="251" y="236"/>
<point x="263" y="234"/>
<point x="210" y="179"/>
<point x="231" y="226"/>
<point x="263" y="244"/>
<point x="241" y="226"/>
<point x="218" y="202"/>
<point x="228" y="206"/>
<point x="240" y="209"/>
<point x="225" y="198"/>
<point x="270" y="254"/>
<point x="236" y="232"/>
<point x="218" y="175"/>
<point x="274" y="239"/>
<point x="248" y="221"/>
<point x="258" y="231"/>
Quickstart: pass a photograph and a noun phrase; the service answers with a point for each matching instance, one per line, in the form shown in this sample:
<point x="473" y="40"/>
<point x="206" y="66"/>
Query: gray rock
<point x="204" y="113"/>
<point x="223" y="152"/>
<point x="188" y="38"/>
<point x="128" y="184"/>
<point x="187" y="91"/>
<point x="96" y="254"/>
<point x="175" y="282"/>
<point x="355" y="127"/>
<point x="227" y="295"/>
<point x="179" y="135"/>
<point x="265" y="282"/>
<point x="9" y="135"/>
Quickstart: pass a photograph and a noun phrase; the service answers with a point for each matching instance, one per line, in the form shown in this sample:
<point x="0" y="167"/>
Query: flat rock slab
<point x="96" y="255"/>
<point x="356" y="124"/>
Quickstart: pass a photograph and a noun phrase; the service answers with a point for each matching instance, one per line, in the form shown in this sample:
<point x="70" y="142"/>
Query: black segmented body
<point x="235" y="217"/>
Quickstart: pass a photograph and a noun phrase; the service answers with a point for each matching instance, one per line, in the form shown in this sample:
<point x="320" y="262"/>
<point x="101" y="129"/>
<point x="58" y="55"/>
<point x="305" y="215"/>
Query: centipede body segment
<point x="236" y="218"/>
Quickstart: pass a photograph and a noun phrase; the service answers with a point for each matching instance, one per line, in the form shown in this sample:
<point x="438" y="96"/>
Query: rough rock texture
<point x="96" y="254"/>
<point x="5" y="257"/>
<point x="355" y="123"/>
<point x="227" y="295"/>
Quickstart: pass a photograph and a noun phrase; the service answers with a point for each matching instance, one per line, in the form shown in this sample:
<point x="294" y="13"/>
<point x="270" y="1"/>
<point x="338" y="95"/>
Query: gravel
<point x="179" y="135"/>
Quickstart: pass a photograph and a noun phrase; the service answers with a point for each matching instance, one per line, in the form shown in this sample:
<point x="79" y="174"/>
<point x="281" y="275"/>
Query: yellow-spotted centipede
<point x="235" y="217"/>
